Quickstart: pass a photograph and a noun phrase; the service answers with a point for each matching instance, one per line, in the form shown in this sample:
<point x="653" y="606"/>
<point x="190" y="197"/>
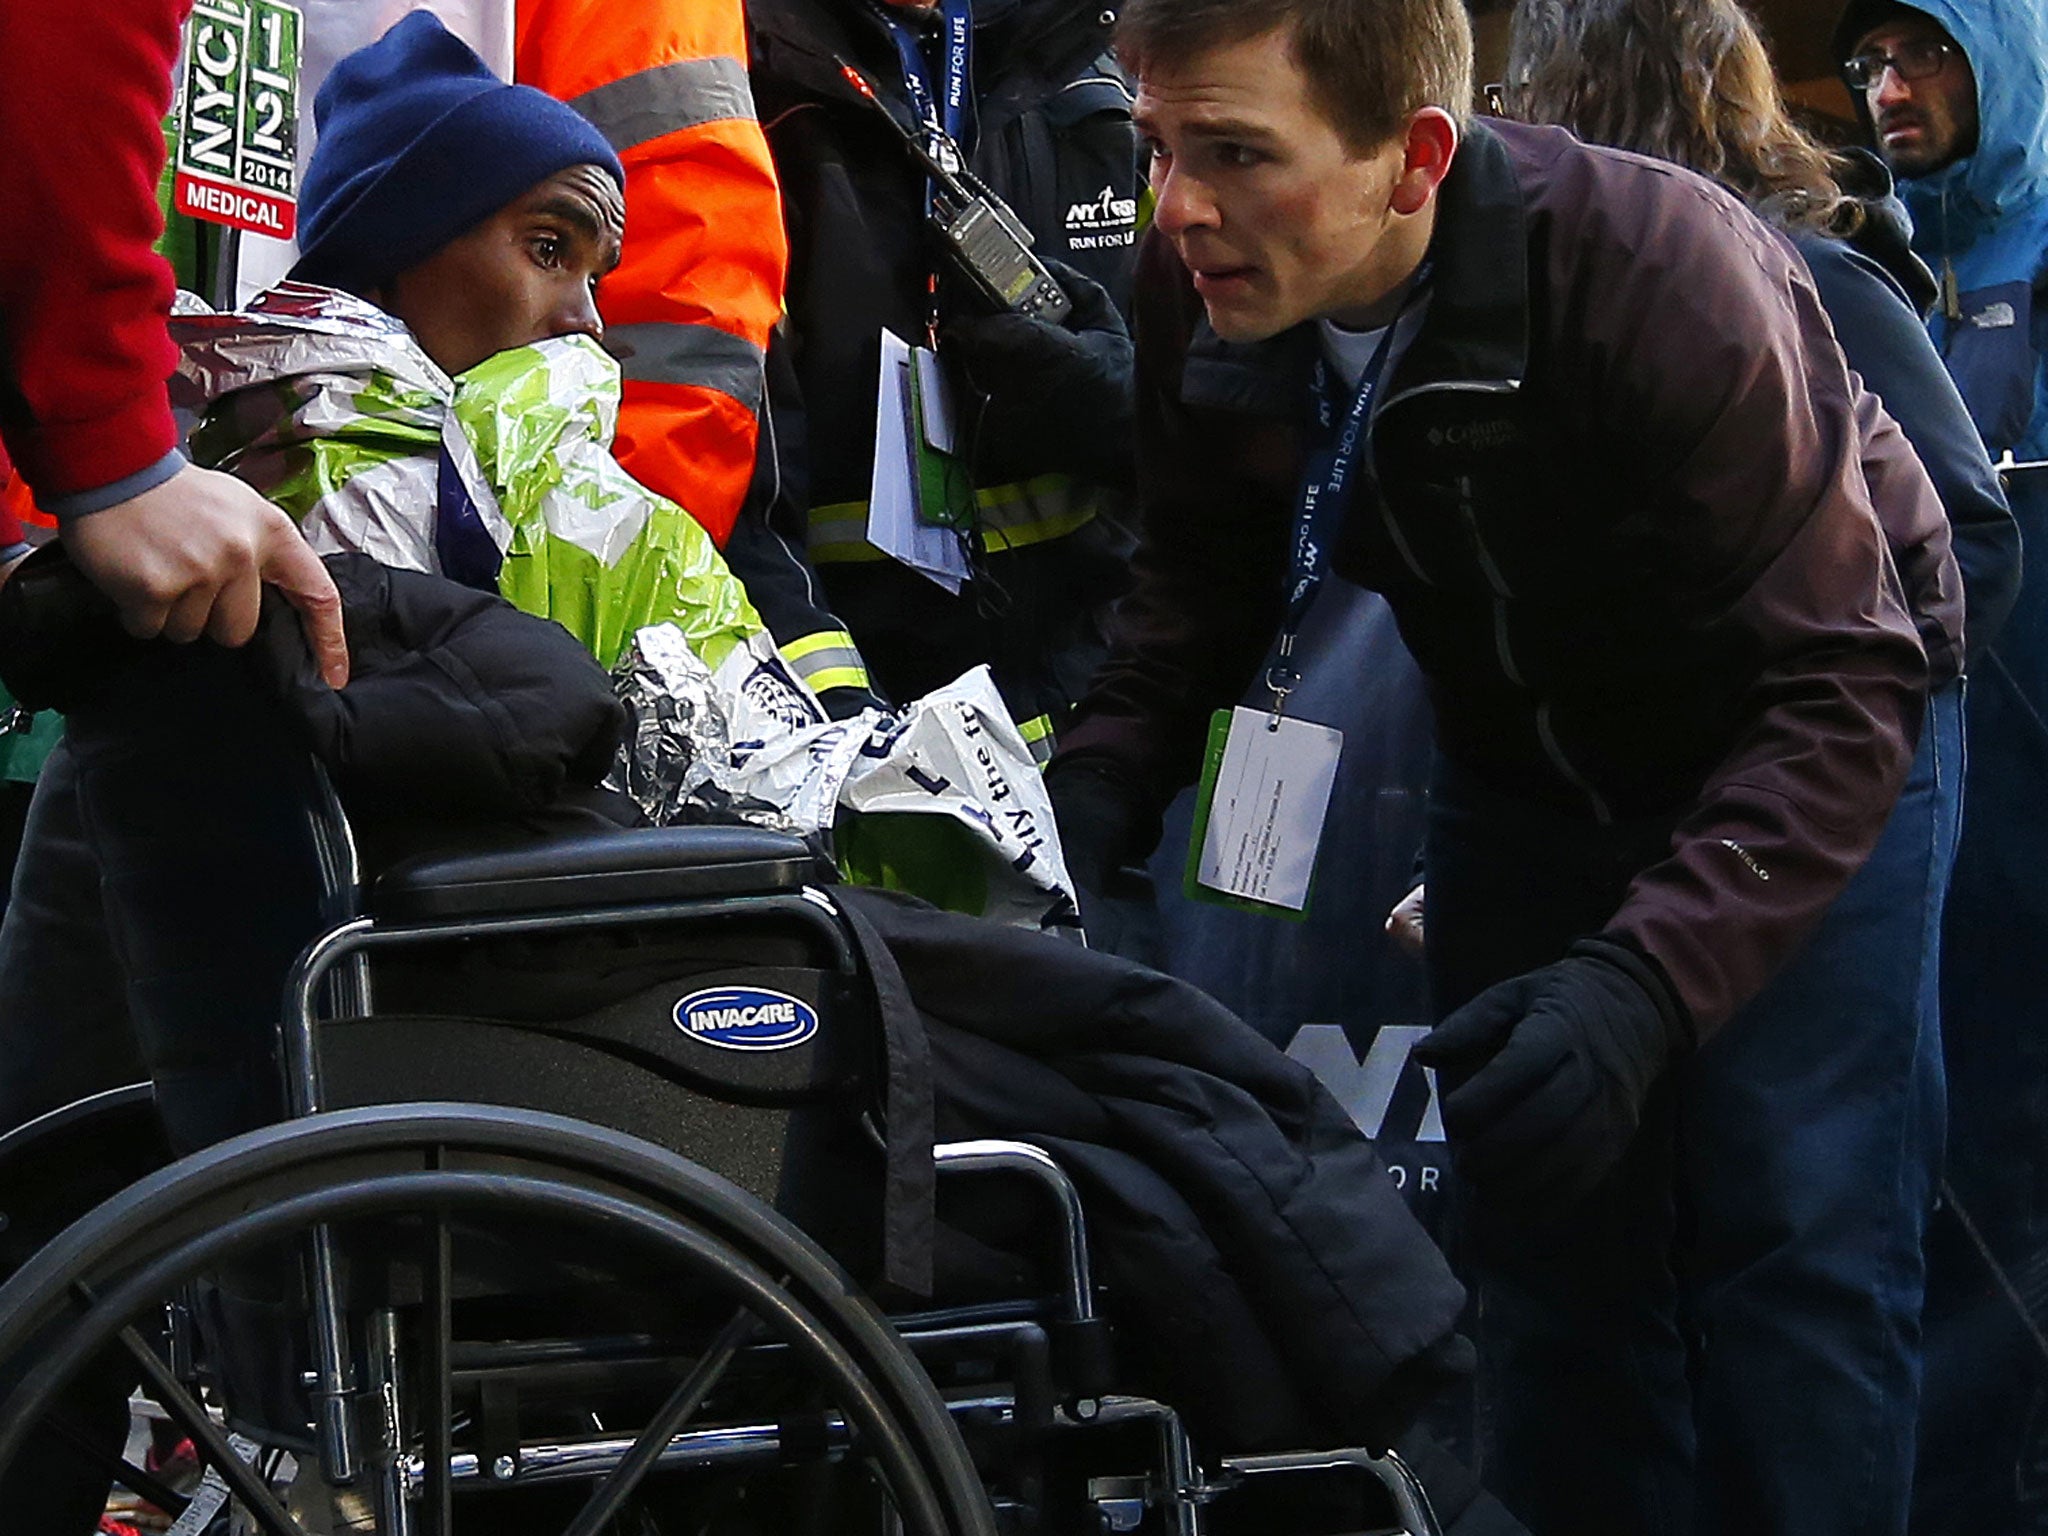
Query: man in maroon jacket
<point x="1580" y="418"/>
<point x="83" y="353"/>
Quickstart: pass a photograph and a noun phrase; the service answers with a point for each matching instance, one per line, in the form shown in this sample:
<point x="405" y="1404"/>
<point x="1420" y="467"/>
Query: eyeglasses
<point x="1913" y="61"/>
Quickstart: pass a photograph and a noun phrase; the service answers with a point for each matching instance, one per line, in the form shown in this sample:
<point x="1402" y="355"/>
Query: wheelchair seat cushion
<point x="650" y="865"/>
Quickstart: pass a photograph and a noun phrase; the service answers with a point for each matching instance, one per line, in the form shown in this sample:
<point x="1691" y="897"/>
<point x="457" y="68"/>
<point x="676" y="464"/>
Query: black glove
<point x="1059" y="396"/>
<point x="1546" y="1073"/>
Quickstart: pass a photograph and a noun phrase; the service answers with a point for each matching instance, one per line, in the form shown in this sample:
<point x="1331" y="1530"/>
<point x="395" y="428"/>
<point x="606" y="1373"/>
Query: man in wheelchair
<point x="510" y="1237"/>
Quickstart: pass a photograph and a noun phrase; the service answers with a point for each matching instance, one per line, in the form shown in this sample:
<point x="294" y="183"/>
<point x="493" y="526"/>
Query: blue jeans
<point x="1982" y="1420"/>
<point x="1725" y="1336"/>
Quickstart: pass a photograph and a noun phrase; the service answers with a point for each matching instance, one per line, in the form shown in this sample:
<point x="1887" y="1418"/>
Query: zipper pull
<point x="1951" y="297"/>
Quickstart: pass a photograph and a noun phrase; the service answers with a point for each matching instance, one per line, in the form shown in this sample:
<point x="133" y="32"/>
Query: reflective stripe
<point x="839" y="536"/>
<point x="1010" y="517"/>
<point x="1037" y="734"/>
<point x="679" y="352"/>
<point x="666" y="98"/>
<point x="807" y="645"/>
<point x="839" y="677"/>
<point x="1048" y="507"/>
<point x="839" y="533"/>
<point x="827" y="659"/>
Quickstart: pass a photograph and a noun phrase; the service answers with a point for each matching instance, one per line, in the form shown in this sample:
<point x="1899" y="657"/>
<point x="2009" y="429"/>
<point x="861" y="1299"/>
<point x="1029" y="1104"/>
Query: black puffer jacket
<point x="459" y="707"/>
<point x="1265" y="1274"/>
<point x="1055" y="141"/>
<point x="459" y="704"/>
<point x="465" y="721"/>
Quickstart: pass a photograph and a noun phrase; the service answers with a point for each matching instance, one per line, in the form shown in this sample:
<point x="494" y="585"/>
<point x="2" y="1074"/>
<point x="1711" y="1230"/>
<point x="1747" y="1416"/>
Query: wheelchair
<point x="584" y="1149"/>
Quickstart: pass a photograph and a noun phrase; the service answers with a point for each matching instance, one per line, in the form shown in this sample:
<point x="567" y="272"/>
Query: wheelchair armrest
<point x="658" y="864"/>
<point x="1080" y="1340"/>
<point x="1036" y="1166"/>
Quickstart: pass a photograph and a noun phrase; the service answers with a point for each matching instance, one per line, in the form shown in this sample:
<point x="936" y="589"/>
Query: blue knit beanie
<point x="420" y="142"/>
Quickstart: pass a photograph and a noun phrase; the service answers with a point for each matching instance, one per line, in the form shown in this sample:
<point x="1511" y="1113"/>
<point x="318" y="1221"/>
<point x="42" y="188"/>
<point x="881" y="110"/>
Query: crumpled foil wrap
<point x="675" y="759"/>
<point x="942" y="799"/>
<point x="330" y="408"/>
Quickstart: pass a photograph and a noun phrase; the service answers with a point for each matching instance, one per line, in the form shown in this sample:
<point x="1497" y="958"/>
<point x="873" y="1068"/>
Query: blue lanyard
<point x="952" y="114"/>
<point x="952" y="110"/>
<point x="1327" y="481"/>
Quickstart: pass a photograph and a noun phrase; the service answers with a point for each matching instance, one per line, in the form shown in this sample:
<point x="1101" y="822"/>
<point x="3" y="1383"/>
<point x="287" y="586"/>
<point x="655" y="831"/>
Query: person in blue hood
<point x="1956" y="95"/>
<point x="1968" y="140"/>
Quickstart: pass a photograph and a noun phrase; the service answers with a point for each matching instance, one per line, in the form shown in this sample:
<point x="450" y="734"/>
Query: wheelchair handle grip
<point x="58" y="632"/>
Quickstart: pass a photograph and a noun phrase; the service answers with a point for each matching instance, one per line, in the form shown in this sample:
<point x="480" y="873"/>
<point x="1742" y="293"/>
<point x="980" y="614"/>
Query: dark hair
<point x="1369" y="63"/>
<point x="1682" y="80"/>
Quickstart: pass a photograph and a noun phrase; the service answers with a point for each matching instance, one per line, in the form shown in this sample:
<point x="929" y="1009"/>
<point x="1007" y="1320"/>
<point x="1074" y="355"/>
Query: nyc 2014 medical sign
<point x="238" y="128"/>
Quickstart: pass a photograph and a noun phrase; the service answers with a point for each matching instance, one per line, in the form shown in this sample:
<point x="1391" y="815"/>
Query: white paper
<point x="893" y="524"/>
<point x="1266" y="817"/>
<point x="211" y="1495"/>
<point x="957" y="753"/>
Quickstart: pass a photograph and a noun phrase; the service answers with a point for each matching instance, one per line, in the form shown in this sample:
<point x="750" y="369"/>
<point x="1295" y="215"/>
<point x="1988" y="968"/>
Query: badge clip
<point x="1280" y="681"/>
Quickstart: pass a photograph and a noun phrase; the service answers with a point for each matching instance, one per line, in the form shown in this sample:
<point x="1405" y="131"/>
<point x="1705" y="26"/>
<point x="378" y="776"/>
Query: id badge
<point x="1265" y="794"/>
<point x="942" y="486"/>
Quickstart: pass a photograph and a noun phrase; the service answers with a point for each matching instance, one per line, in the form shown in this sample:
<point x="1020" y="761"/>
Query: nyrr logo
<point x="1106" y="211"/>
<point x="746" y="1019"/>
<point x="1105" y="220"/>
<point x="1367" y="1089"/>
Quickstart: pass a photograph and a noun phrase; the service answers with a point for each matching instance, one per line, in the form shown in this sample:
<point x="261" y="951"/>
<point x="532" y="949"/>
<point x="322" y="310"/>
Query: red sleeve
<point x="10" y="526"/>
<point x="10" y="531"/>
<point x="83" y="295"/>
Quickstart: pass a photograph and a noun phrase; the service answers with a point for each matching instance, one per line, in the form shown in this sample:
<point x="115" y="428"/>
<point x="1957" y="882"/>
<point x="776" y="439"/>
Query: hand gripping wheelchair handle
<point x="62" y="641"/>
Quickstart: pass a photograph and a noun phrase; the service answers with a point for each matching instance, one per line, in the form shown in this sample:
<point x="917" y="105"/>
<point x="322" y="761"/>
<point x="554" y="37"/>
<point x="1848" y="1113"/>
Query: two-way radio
<point x="987" y="242"/>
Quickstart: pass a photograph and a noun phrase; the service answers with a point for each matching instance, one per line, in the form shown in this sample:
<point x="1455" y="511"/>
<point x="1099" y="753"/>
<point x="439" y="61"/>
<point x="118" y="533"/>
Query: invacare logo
<point x="746" y="1019"/>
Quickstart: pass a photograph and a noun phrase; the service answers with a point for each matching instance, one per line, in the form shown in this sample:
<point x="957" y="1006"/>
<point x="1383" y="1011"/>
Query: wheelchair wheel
<point x="56" y="1168"/>
<point x="378" y="1297"/>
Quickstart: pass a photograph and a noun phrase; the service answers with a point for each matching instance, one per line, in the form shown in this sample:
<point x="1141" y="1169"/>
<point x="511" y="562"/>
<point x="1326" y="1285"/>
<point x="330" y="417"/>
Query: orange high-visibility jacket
<point x="700" y="286"/>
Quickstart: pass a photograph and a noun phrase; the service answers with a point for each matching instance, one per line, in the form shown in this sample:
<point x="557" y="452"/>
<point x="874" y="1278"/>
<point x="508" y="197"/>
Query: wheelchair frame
<point x="414" y="1487"/>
